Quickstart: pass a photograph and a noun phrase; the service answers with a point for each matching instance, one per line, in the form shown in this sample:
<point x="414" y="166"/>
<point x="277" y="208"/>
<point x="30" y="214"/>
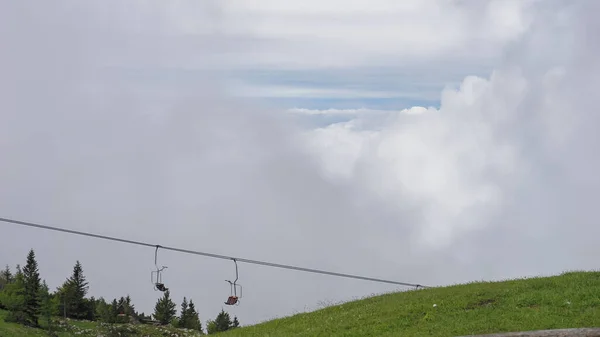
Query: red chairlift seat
<point x="231" y="300"/>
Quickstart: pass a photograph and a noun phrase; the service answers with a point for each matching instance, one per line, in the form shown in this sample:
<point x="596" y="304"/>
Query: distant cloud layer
<point x="120" y="119"/>
<point x="387" y="50"/>
<point x="353" y="33"/>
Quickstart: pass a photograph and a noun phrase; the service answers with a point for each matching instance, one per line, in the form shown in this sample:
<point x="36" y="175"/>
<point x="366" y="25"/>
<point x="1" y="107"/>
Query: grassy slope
<point x="86" y="328"/>
<point x="570" y="300"/>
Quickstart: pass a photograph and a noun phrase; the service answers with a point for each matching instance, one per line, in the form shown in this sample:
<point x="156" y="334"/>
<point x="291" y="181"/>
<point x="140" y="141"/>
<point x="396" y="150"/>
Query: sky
<point x="433" y="142"/>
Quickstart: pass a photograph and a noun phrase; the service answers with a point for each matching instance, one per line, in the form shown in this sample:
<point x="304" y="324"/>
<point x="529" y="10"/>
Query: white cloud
<point x="460" y="37"/>
<point x="442" y="160"/>
<point x="334" y="33"/>
<point x="462" y="165"/>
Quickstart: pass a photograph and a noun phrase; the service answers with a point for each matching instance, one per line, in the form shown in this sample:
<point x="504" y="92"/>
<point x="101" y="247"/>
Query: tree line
<point x="29" y="301"/>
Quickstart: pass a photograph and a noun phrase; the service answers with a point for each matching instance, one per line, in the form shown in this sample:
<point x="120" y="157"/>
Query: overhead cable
<point x="217" y="256"/>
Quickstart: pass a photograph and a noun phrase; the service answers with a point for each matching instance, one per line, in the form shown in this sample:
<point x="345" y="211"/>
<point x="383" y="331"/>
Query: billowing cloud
<point x="495" y="151"/>
<point x="445" y="162"/>
<point x="111" y="123"/>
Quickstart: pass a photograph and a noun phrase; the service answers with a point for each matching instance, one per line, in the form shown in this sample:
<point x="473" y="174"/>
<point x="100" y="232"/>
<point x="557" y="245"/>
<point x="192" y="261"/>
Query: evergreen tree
<point x="127" y="309"/>
<point x="114" y="310"/>
<point x="223" y="321"/>
<point x="90" y="305"/>
<point x="183" y="318"/>
<point x="77" y="288"/>
<point x="122" y="316"/>
<point x="121" y="306"/>
<point x="6" y="277"/>
<point x="32" y="285"/>
<point x="188" y="318"/>
<point x="129" y="305"/>
<point x="236" y="323"/>
<point x="193" y="318"/>
<point x="164" y="310"/>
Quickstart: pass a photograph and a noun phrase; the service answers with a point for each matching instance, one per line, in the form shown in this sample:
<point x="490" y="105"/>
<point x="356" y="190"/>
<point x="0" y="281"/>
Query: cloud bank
<point x="511" y="154"/>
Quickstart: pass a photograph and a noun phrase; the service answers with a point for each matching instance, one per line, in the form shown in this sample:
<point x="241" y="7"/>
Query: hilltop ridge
<point x="569" y="300"/>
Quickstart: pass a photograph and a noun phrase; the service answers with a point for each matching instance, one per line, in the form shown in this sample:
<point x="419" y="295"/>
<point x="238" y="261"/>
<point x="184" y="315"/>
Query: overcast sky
<point x="432" y="142"/>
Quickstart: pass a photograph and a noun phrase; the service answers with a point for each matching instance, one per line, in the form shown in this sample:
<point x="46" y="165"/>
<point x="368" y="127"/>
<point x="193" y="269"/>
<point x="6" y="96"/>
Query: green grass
<point x="571" y="300"/>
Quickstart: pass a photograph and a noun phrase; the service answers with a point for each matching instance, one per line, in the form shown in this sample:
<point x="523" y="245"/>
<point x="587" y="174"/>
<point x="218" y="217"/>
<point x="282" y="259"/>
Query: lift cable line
<point x="217" y="256"/>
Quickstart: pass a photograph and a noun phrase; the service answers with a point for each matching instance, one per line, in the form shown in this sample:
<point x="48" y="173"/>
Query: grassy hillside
<point x="85" y="328"/>
<point x="570" y="300"/>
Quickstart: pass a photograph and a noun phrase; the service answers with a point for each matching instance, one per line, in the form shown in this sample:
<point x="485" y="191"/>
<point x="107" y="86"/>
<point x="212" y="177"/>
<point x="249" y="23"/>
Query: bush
<point x="15" y="317"/>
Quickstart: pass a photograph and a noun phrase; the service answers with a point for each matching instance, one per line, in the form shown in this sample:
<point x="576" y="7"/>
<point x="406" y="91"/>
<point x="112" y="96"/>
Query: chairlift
<point x="155" y="276"/>
<point x="233" y="298"/>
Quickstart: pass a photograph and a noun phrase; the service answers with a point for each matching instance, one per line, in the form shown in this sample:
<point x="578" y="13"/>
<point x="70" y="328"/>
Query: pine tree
<point x="114" y="310"/>
<point x="193" y="318"/>
<point x="121" y="306"/>
<point x="129" y="308"/>
<point x="236" y="323"/>
<point x="183" y="318"/>
<point x="32" y="284"/>
<point x="122" y="316"/>
<point x="77" y="288"/>
<point x="165" y="309"/>
<point x="223" y="321"/>
<point x="6" y="277"/>
<point x="90" y="305"/>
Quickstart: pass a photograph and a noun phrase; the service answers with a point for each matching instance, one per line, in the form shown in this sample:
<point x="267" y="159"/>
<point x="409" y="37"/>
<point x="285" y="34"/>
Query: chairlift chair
<point x="233" y="298"/>
<point x="155" y="276"/>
